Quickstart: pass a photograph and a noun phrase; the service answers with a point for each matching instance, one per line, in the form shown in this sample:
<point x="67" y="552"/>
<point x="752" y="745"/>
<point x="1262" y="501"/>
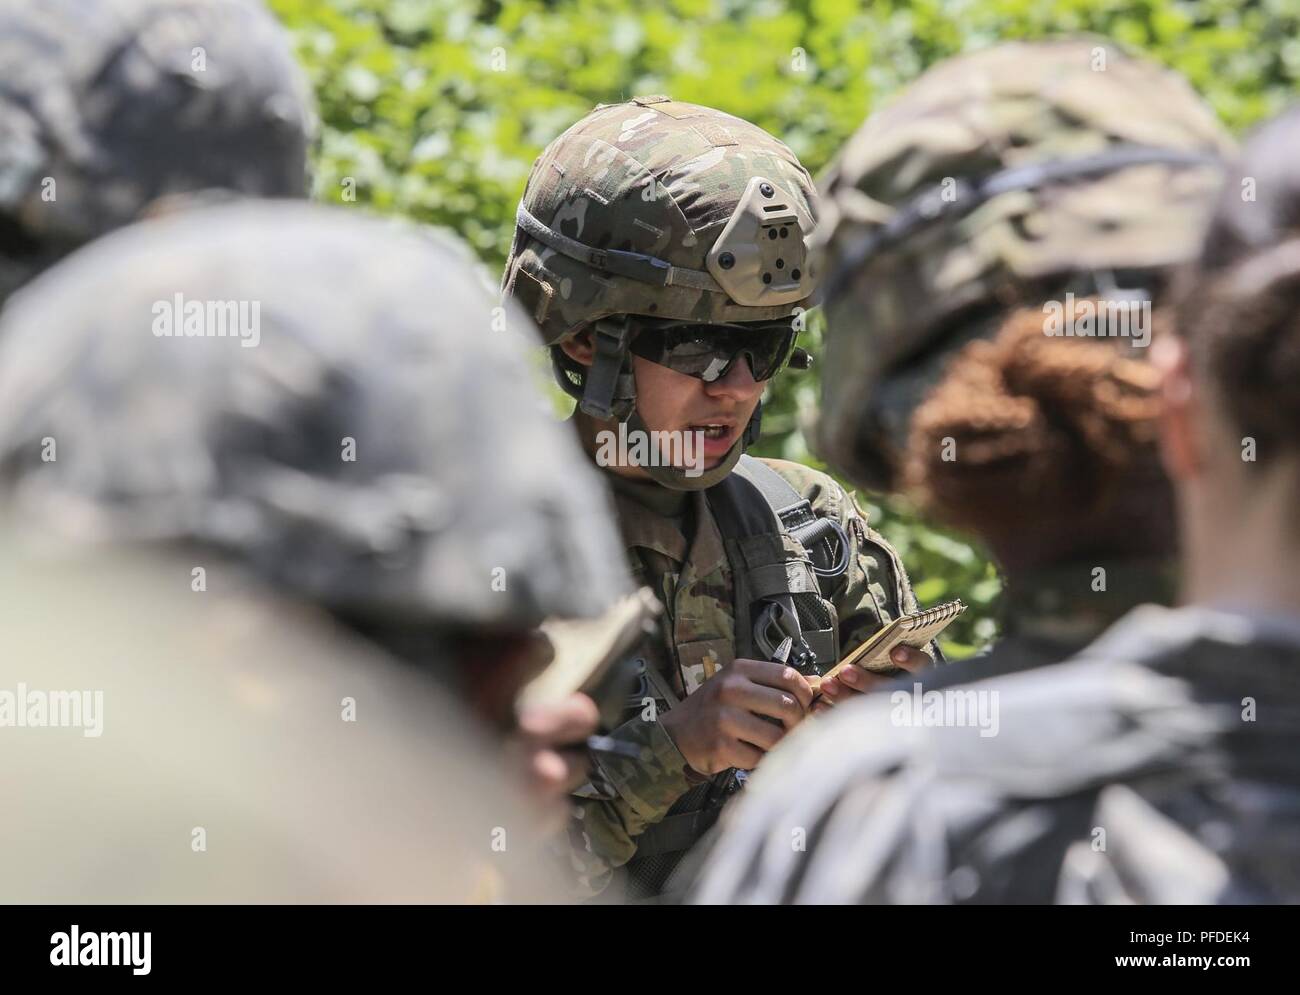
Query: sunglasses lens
<point x="699" y="352"/>
<point x="769" y="349"/>
<point x="707" y="352"/>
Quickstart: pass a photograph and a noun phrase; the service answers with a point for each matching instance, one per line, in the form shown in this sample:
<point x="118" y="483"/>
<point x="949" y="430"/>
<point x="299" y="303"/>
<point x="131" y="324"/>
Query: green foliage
<point x="436" y="109"/>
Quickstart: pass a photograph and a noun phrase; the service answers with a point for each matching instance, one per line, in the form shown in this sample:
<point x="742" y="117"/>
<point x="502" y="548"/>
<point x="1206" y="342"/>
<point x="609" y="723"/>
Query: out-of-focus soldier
<point x="279" y="501"/>
<point x="1000" y="241"/>
<point x="109" y="108"/>
<point x="1157" y="765"/>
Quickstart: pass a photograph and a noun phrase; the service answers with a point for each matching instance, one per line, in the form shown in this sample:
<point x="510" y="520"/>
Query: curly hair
<point x="1044" y="446"/>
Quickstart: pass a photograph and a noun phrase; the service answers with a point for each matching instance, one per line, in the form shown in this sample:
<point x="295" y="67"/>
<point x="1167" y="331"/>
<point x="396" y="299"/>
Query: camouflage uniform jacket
<point x="693" y="580"/>
<point x="1158" y="767"/>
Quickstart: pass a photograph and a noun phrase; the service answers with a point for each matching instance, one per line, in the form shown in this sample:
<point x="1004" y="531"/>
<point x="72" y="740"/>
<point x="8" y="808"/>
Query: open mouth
<point x="713" y="431"/>
<point x="715" y="437"/>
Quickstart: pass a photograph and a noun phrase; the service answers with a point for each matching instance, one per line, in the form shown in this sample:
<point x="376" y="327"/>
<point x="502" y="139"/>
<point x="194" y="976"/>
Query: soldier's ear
<point x="1180" y="418"/>
<point x="579" y="347"/>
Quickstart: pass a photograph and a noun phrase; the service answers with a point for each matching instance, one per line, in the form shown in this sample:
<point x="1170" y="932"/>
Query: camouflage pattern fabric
<point x="693" y="580"/>
<point x="898" y="315"/>
<point x="654" y="176"/>
<point x="1159" y="767"/>
<point x="300" y="388"/>
<point x="107" y="105"/>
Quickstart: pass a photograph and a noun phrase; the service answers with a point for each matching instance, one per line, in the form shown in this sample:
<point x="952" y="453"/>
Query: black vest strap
<point x="753" y="507"/>
<point x="742" y="511"/>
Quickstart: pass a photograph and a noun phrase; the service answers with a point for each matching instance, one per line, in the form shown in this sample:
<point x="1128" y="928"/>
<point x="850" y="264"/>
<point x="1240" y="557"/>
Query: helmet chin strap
<point x="677" y="479"/>
<point x="610" y="391"/>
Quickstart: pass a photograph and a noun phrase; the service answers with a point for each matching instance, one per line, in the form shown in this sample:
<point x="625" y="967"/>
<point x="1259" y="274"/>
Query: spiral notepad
<point x="914" y="630"/>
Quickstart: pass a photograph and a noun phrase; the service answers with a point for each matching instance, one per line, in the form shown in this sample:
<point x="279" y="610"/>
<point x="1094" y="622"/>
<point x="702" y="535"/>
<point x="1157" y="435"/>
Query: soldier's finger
<point x="556" y="773"/>
<point x="857" y="679"/>
<point x="749" y="728"/>
<point x="569" y="721"/>
<point x="851" y="678"/>
<point x="779" y="676"/>
<point x="745" y="757"/>
<point x="909" y="658"/>
<point x="577" y="764"/>
<point x="780" y="705"/>
<point x="830" y="688"/>
<point x="742" y="755"/>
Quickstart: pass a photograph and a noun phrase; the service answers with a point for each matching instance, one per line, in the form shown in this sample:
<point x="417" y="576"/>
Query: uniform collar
<point x="650" y="516"/>
<point x="653" y="517"/>
<point x="654" y="497"/>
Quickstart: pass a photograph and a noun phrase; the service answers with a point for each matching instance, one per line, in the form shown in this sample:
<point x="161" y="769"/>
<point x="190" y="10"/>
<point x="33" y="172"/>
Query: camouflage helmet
<point x="293" y="386"/>
<point x="998" y="178"/>
<point x="107" y="105"/>
<point x="662" y="209"/>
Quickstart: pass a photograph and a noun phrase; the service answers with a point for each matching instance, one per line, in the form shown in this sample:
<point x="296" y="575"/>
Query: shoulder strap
<point x="778" y="492"/>
<point x="823" y="538"/>
<point x="741" y="504"/>
<point x="741" y="512"/>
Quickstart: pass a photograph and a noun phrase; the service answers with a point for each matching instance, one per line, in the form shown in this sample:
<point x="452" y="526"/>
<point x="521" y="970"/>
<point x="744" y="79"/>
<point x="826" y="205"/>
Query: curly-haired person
<point x="1159" y="765"/>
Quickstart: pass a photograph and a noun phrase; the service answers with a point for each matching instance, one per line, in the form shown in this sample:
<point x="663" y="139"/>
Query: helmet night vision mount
<point x="761" y="257"/>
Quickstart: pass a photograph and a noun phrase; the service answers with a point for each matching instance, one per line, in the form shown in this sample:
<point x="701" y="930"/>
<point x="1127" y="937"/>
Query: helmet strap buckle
<point x="608" y="391"/>
<point x="754" y="429"/>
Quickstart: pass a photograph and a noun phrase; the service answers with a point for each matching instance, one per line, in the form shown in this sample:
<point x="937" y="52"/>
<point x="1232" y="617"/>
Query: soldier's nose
<point x="739" y="383"/>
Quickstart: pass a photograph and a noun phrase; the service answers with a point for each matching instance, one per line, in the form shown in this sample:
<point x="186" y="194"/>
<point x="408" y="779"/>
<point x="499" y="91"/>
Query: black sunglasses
<point x="707" y="352"/>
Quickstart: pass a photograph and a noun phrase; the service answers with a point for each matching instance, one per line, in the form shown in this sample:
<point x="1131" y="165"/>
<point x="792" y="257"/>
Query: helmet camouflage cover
<point x="996" y="179"/>
<point x="664" y="209"/>
<point x="106" y="105"/>
<point x="294" y="386"/>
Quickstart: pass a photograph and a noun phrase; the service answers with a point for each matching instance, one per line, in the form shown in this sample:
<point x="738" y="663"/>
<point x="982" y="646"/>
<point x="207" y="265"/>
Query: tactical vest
<point x="777" y="549"/>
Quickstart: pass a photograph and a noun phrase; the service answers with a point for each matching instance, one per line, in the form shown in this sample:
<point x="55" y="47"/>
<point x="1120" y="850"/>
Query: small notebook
<point x="914" y="630"/>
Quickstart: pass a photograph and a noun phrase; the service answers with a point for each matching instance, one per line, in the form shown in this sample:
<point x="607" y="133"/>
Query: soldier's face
<point x="715" y="413"/>
<point x="668" y="401"/>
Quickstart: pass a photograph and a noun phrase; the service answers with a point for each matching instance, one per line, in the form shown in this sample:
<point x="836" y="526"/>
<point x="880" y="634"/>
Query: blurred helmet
<point x="996" y="180"/>
<point x="107" y="105"/>
<point x="301" y="388"/>
<point x="664" y="210"/>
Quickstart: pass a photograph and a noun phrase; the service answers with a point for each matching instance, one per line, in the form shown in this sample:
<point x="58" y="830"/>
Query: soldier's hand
<point x="719" y="726"/>
<point x="551" y="745"/>
<point x="853" y="681"/>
